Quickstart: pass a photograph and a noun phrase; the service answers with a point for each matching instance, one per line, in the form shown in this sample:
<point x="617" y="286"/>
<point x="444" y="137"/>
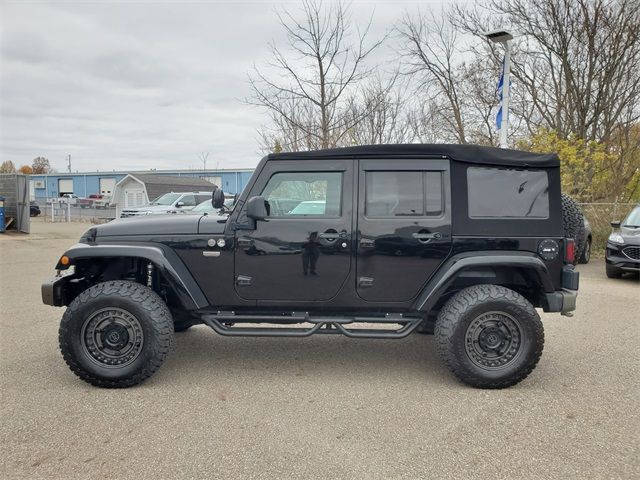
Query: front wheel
<point x="612" y="272"/>
<point x="116" y="334"/>
<point x="489" y="336"/>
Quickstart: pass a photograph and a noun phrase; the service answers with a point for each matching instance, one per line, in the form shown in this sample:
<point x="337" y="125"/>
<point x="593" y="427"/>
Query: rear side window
<point x="403" y="194"/>
<point x="507" y="193"/>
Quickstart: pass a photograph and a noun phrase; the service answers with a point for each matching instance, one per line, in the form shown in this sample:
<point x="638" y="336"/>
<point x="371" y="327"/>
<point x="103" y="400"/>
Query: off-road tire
<point x="458" y="317"/>
<point x="144" y="305"/>
<point x="573" y="224"/>
<point x="586" y="252"/>
<point x="612" y="272"/>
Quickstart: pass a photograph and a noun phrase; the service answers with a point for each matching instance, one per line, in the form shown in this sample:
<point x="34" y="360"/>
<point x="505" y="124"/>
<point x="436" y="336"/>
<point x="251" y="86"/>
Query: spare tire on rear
<point x="573" y="224"/>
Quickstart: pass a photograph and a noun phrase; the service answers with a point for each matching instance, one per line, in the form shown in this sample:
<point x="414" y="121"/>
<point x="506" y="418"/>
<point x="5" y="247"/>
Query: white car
<point x="172" y="202"/>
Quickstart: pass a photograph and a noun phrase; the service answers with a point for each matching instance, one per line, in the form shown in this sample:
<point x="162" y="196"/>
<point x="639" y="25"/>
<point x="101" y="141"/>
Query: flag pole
<point x="504" y="127"/>
<point x="505" y="37"/>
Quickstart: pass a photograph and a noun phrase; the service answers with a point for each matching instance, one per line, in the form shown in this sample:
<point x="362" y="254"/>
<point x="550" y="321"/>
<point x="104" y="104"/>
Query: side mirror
<point x="257" y="208"/>
<point x="179" y="204"/>
<point x="217" y="198"/>
<point x="615" y="224"/>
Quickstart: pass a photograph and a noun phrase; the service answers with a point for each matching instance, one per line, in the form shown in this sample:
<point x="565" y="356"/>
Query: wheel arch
<point x="110" y="259"/>
<point x="522" y="272"/>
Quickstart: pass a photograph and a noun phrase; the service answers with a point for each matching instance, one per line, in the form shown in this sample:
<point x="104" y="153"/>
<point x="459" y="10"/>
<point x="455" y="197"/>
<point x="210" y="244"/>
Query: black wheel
<point x="612" y="272"/>
<point x="116" y="334"/>
<point x="586" y="252"/>
<point x="489" y="336"/>
<point x="573" y="224"/>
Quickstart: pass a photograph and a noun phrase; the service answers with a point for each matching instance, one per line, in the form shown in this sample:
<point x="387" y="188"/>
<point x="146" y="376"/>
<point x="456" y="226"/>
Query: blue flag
<point x="499" y="92"/>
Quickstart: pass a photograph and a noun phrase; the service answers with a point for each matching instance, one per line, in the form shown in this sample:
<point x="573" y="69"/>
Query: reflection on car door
<point x="302" y="254"/>
<point x="404" y="226"/>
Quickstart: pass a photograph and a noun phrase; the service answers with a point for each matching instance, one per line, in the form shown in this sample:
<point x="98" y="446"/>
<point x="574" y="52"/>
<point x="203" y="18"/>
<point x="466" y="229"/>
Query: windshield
<point x="204" y="207"/>
<point x="633" y="219"/>
<point x="312" y="207"/>
<point x="166" y="199"/>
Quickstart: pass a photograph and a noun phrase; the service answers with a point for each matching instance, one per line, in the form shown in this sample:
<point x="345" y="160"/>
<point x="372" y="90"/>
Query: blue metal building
<point x="90" y="183"/>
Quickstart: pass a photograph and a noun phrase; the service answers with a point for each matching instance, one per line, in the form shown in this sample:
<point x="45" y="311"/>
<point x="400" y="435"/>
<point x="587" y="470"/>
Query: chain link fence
<point x="60" y="211"/>
<point x="600" y="216"/>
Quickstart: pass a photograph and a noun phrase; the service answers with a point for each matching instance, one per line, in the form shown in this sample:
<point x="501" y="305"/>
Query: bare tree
<point x="577" y="61"/>
<point x="430" y="54"/>
<point x="309" y="88"/>
<point x="7" y="167"/>
<point x="41" y="165"/>
<point x="382" y="106"/>
<point x="455" y="89"/>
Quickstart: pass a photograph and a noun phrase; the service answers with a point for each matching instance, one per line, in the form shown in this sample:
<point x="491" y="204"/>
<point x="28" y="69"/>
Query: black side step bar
<point x="223" y="323"/>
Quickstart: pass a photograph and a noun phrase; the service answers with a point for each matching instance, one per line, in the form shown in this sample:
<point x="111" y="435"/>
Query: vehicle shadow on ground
<point x="413" y="357"/>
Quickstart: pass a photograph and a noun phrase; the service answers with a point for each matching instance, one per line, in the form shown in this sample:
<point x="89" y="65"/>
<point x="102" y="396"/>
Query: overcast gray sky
<point x="137" y="85"/>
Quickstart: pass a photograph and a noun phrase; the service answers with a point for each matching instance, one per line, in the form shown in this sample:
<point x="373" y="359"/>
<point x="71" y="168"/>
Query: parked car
<point x="102" y="202"/>
<point x="623" y="246"/>
<point x="70" y="198"/>
<point x="585" y="255"/>
<point x="34" y="209"/>
<point x="473" y="238"/>
<point x="168" y="203"/>
<point x="206" y="207"/>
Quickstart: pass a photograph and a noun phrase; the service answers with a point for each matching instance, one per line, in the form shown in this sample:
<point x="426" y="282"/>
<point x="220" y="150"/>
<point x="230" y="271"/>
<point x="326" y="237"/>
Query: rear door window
<point x="403" y="194"/>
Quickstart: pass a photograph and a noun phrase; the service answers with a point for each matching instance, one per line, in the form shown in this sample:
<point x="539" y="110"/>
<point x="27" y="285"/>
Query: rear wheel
<point x="116" y="334"/>
<point x="489" y="336"/>
<point x="613" y="272"/>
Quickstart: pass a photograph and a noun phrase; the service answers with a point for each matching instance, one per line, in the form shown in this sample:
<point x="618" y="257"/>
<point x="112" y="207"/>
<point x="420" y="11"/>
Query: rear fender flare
<point x="452" y="268"/>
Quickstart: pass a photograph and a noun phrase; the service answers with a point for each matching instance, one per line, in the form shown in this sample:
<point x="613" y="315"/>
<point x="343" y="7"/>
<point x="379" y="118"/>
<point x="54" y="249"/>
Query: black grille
<point x="632" y="252"/>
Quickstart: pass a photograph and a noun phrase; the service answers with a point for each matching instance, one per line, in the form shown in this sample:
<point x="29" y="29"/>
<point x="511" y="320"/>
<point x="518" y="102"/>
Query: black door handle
<point x="426" y="237"/>
<point x="331" y="235"/>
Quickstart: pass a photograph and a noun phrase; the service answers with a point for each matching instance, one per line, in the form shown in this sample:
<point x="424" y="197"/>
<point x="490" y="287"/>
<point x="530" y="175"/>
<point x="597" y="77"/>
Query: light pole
<point x="504" y="37"/>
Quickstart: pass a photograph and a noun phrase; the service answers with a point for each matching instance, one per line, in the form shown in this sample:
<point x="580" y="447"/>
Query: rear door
<point x="404" y="226"/>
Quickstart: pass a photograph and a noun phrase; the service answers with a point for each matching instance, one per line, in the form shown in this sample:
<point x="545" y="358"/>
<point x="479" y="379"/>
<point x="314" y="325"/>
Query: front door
<point x="404" y="226"/>
<point x="303" y="250"/>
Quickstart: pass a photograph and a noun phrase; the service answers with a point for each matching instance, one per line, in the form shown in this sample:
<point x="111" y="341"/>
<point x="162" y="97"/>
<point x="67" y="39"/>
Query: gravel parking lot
<point x="322" y="407"/>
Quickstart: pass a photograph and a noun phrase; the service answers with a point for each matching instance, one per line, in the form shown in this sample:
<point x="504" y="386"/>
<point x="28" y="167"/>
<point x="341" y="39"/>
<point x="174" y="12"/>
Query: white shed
<point x="137" y="190"/>
<point x="129" y="192"/>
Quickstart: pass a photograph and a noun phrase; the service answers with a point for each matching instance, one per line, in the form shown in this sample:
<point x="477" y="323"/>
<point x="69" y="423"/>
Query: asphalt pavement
<point x="322" y="407"/>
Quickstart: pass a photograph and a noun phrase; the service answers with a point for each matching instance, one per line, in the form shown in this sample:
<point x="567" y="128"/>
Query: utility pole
<point x="69" y="162"/>
<point x="504" y="37"/>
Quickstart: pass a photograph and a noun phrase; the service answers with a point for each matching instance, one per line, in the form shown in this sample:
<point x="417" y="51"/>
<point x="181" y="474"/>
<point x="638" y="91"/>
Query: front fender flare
<point x="450" y="270"/>
<point x="163" y="258"/>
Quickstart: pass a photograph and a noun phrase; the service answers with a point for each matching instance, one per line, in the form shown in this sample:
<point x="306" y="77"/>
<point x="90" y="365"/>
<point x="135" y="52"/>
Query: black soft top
<point x="461" y="153"/>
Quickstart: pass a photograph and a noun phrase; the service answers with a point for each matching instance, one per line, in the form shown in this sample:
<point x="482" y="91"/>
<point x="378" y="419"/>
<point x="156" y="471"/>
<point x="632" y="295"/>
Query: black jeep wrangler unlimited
<point x="368" y="242"/>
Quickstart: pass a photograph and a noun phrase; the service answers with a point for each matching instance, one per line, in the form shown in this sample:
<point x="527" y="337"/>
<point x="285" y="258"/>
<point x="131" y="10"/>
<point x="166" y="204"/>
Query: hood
<point x="151" y="208"/>
<point x="153" y="225"/>
<point x="630" y="235"/>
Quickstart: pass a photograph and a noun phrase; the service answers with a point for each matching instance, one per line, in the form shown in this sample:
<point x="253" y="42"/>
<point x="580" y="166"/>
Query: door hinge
<point x="243" y="280"/>
<point x="365" y="282"/>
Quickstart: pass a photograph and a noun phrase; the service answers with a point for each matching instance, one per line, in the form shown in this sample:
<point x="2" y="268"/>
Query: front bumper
<point x="617" y="259"/>
<point x="53" y="291"/>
